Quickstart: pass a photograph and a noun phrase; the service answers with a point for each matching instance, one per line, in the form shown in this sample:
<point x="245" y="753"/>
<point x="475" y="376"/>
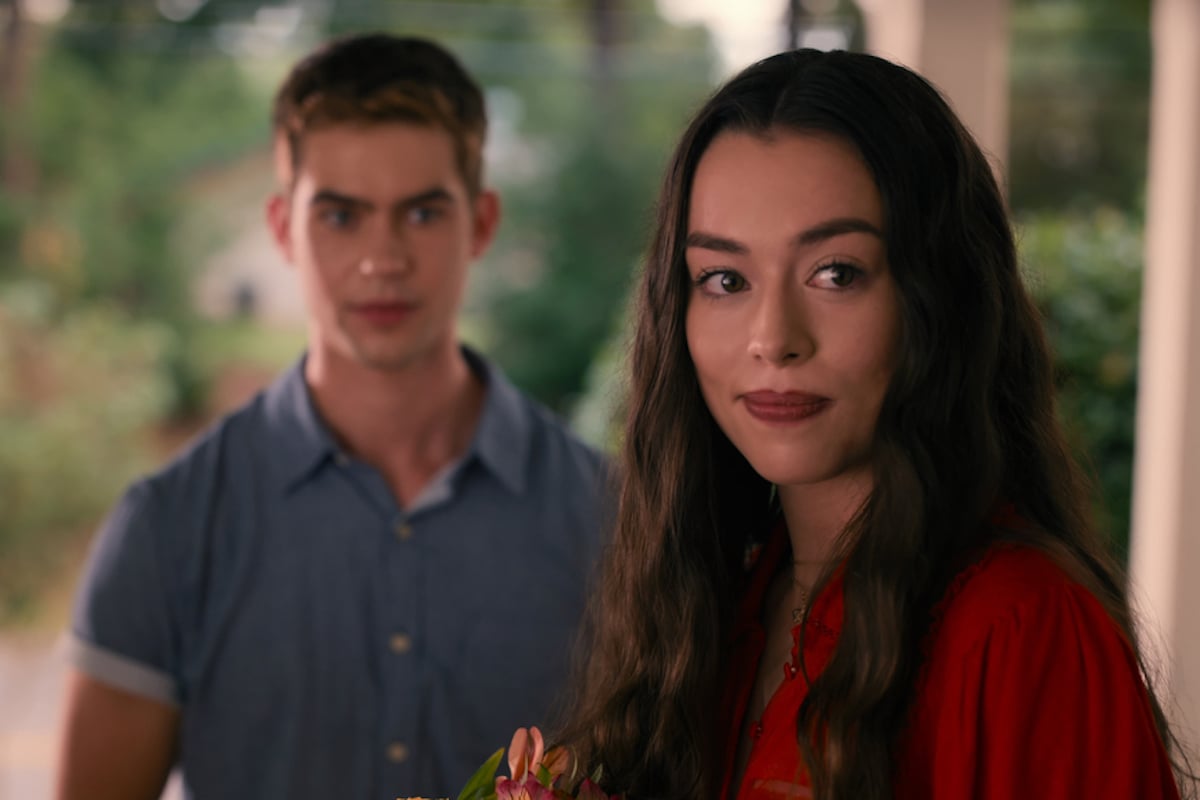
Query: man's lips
<point x="384" y="313"/>
<point x="770" y="406"/>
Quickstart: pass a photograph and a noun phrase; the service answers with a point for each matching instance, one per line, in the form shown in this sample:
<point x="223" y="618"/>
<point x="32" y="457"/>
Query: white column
<point x="1166" y="510"/>
<point x="959" y="46"/>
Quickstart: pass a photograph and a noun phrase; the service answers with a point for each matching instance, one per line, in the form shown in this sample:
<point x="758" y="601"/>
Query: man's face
<point x="381" y="229"/>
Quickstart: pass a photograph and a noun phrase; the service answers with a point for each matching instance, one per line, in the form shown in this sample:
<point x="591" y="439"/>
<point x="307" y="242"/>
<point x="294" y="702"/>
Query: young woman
<point x="853" y="558"/>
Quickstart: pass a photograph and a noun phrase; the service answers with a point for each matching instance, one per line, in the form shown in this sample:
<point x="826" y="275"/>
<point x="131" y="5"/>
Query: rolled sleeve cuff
<point x="119" y="671"/>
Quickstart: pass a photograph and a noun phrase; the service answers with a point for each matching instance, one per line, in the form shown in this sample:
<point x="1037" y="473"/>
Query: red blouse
<point x="1028" y="689"/>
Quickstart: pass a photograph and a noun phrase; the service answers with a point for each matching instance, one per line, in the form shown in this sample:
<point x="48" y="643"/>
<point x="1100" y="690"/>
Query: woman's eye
<point x="721" y="281"/>
<point x="732" y="282"/>
<point x="836" y="276"/>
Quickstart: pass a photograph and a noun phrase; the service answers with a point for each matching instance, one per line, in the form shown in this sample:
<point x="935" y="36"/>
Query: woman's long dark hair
<point x="968" y="421"/>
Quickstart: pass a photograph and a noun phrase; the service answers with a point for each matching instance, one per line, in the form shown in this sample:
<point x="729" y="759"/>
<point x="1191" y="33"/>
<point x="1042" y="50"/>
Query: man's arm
<point x="114" y="745"/>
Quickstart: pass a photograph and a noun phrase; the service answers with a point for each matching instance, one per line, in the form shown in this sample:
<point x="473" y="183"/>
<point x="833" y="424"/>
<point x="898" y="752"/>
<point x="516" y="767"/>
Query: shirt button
<point x="404" y="531"/>
<point x="397" y="752"/>
<point x="401" y="643"/>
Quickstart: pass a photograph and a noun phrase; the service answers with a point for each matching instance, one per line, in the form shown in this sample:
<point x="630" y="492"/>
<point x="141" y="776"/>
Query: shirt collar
<point x="501" y="443"/>
<point x="503" y="437"/>
<point x="297" y="433"/>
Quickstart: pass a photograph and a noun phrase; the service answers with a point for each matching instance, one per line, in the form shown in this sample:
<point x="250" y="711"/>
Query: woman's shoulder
<point x="1027" y="679"/>
<point x="1013" y="590"/>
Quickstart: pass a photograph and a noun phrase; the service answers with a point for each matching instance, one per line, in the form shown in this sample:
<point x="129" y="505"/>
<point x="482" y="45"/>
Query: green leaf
<point x="482" y="785"/>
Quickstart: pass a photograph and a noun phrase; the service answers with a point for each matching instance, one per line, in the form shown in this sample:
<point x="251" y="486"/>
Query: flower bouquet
<point x="536" y="774"/>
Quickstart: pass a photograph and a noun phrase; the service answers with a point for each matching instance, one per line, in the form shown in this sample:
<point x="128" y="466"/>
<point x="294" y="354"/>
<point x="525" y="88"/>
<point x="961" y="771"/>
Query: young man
<point x="359" y="584"/>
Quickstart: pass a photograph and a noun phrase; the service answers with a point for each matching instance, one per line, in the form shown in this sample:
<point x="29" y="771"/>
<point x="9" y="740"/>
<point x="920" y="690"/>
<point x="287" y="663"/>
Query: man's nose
<point x="387" y="252"/>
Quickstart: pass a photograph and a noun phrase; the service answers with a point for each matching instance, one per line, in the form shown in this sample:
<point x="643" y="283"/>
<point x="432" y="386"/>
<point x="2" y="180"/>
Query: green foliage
<point x="77" y="394"/>
<point x="594" y="217"/>
<point x="598" y="416"/>
<point x="117" y="137"/>
<point x="1079" y="135"/>
<point x="115" y="149"/>
<point x="577" y="226"/>
<point x="1085" y="272"/>
<point x="482" y="784"/>
<point x="97" y="333"/>
<point x="1079" y="104"/>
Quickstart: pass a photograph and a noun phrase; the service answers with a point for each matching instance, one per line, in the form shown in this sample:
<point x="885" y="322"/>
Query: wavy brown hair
<point x="968" y="421"/>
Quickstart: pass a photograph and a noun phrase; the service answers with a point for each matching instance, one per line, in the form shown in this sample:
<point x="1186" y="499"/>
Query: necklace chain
<point x="802" y="605"/>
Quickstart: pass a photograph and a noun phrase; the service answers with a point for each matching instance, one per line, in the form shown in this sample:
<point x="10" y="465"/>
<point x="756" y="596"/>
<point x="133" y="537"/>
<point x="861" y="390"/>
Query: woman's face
<point x="793" y="316"/>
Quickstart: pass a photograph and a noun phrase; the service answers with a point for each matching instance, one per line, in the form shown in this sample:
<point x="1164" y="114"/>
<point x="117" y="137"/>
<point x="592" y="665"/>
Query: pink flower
<point x="525" y="752"/>
<point x="538" y="774"/>
<point x="527" y="789"/>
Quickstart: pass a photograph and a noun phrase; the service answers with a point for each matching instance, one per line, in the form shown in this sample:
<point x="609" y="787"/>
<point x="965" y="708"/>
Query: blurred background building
<point x="140" y="296"/>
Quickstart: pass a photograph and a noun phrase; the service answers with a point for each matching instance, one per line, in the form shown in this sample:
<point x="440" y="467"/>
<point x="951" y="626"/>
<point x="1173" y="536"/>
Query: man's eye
<point x="336" y="217"/>
<point x="421" y="215"/>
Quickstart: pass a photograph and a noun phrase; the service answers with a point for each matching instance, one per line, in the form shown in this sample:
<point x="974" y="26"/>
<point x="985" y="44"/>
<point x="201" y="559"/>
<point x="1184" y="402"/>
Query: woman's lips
<point x="784" y="407"/>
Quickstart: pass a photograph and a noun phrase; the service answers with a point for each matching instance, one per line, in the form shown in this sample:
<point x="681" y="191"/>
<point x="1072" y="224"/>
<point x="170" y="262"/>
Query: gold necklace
<point x="804" y="590"/>
<point x="802" y="606"/>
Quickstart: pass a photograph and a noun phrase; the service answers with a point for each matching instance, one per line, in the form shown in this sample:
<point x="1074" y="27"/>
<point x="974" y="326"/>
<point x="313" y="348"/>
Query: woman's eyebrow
<point x="707" y="241"/>
<point x="835" y="227"/>
<point x="817" y="233"/>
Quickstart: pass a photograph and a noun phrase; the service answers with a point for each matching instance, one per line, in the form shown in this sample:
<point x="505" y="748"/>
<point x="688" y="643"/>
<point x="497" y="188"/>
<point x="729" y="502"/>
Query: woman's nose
<point x="779" y="332"/>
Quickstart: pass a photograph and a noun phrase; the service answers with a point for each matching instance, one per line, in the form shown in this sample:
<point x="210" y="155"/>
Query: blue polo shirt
<point x="321" y="641"/>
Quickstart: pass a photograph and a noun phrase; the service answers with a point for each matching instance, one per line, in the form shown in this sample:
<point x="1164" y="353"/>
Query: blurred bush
<point x="110" y="140"/>
<point x="79" y="393"/>
<point x="1085" y="272"/>
<point x="1079" y="112"/>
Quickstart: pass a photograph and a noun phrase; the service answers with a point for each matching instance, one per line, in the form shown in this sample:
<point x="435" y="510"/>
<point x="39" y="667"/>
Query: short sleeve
<point x="1046" y="702"/>
<point x="121" y="631"/>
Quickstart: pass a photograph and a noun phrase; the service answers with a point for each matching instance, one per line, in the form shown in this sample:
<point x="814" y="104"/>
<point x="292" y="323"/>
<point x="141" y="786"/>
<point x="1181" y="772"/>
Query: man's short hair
<point x="374" y="78"/>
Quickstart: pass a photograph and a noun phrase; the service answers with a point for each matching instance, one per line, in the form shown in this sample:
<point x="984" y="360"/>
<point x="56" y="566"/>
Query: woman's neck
<point x="816" y="515"/>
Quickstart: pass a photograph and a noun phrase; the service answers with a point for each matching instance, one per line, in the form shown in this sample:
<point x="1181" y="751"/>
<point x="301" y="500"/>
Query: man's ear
<point x="279" y="215"/>
<point x="487" y="221"/>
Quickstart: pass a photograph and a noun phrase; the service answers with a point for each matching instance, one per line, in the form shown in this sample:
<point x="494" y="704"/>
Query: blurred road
<point x="31" y="679"/>
<point x="31" y="675"/>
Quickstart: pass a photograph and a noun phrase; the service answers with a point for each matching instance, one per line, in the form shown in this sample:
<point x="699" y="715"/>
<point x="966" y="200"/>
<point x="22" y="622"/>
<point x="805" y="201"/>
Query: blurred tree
<point x="1080" y="109"/>
<point x="1085" y="270"/>
<point x="16" y="163"/>
<point x="1080" y="102"/>
<point x="107" y="118"/>
<point x="78" y="391"/>
<point x="578" y="224"/>
<point x="124" y="114"/>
